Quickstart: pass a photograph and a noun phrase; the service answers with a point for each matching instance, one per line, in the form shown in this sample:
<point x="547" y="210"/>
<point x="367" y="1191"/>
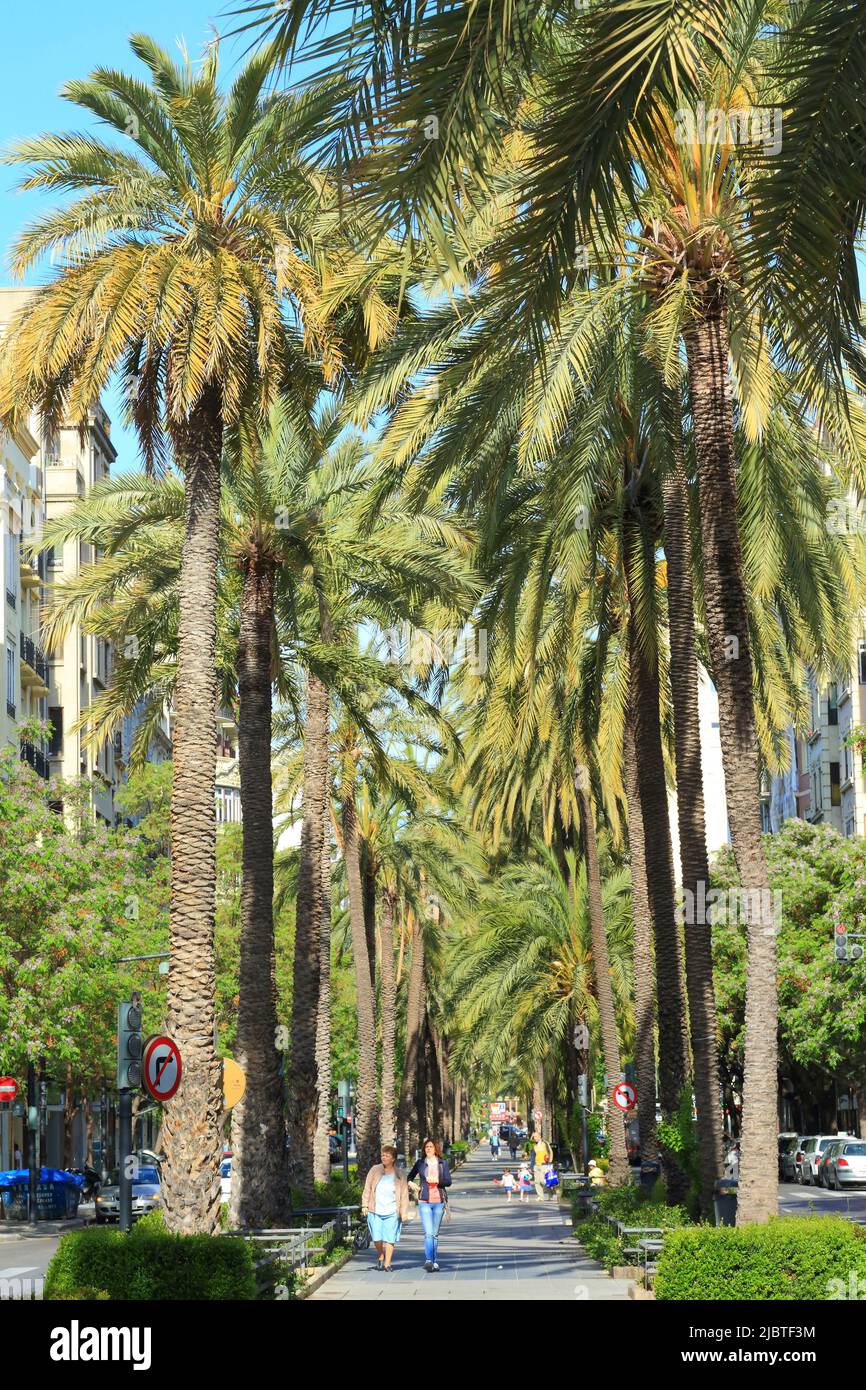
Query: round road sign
<point x="162" y="1067"/>
<point x="624" y="1095"/>
<point x="8" y="1088"/>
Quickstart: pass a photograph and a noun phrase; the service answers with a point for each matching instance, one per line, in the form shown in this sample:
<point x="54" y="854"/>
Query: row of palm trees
<point x="561" y="319"/>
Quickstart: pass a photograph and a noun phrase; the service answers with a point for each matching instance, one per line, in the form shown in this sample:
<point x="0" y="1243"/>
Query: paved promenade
<point x="491" y="1249"/>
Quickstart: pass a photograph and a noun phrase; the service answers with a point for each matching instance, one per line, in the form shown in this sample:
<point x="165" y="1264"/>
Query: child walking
<point x="509" y="1182"/>
<point x="524" y="1182"/>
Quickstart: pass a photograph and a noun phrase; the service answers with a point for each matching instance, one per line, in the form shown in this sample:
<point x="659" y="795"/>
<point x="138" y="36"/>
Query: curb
<point x="322" y="1276"/>
<point x="43" y="1230"/>
<point x="641" y="1295"/>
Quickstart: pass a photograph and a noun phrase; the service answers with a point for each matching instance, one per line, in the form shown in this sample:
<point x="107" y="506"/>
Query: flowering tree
<point x="75" y="896"/>
<point x="818" y="878"/>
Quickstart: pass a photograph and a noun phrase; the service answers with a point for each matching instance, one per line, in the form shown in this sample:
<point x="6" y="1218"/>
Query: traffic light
<point x="129" y="1044"/>
<point x="845" y="951"/>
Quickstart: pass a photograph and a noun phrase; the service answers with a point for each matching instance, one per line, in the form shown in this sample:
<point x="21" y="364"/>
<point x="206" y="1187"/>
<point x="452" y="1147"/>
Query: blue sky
<point x="44" y="46"/>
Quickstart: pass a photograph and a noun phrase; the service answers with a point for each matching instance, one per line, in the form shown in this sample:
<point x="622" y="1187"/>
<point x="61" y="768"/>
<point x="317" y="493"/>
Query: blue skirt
<point x="385" y="1228"/>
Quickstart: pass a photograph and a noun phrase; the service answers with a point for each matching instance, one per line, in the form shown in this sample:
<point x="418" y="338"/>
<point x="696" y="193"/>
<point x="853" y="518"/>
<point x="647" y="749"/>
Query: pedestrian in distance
<point x="493" y="1140"/>
<point x="509" y="1182"/>
<point x="434" y="1176"/>
<point x="17" y="1161"/>
<point x="524" y="1182"/>
<point x="542" y="1157"/>
<point x="385" y="1204"/>
<point x="596" y="1175"/>
<point x="512" y="1144"/>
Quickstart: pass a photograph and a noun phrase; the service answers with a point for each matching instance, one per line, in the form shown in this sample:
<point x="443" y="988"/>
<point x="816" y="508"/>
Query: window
<point x="815" y="701"/>
<point x="835" y="788"/>
<point x="11" y="668"/>
<point x="11" y="568"/>
<point x="849" y="828"/>
<point x="228" y="805"/>
<point x="848" y="755"/>
<point x="833" y="704"/>
<point x="55" y="719"/>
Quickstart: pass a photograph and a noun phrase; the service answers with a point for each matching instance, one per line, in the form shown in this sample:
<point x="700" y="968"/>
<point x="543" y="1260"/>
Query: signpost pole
<point x="125" y="1147"/>
<point x="32" y="1133"/>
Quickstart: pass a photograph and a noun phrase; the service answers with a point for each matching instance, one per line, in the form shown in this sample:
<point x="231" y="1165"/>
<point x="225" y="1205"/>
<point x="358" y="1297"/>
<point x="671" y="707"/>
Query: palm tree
<point x="178" y="271"/>
<point x="521" y="965"/>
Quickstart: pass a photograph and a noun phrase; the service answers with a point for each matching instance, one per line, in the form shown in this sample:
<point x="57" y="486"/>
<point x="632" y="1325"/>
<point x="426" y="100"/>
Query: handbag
<point x="551" y="1178"/>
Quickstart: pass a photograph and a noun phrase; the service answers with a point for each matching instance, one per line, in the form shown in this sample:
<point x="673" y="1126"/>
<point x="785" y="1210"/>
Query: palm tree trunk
<point x="260" y="1178"/>
<point x="388" y="1005"/>
<point x="321" y="1147"/>
<point x="642" y="950"/>
<point x="310" y="910"/>
<point x="192" y="1130"/>
<point x="728" y="633"/>
<point x="369" y="882"/>
<point x="649" y="787"/>
<point x="601" y="961"/>
<point x="366" y="1117"/>
<point x="692" y="827"/>
<point x="415" y="1010"/>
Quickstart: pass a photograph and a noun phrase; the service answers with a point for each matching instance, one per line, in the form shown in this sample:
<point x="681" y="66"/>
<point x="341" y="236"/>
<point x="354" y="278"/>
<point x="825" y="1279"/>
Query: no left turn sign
<point x="624" y="1095"/>
<point x="162" y="1067"/>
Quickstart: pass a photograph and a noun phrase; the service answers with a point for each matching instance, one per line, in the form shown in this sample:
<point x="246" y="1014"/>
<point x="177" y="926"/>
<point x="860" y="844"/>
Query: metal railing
<point x="284" y="1251"/>
<point x="36" y="757"/>
<point x="32" y="653"/>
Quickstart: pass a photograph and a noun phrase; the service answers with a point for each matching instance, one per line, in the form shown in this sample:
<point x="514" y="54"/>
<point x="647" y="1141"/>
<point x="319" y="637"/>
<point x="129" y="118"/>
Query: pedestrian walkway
<point x="491" y="1249"/>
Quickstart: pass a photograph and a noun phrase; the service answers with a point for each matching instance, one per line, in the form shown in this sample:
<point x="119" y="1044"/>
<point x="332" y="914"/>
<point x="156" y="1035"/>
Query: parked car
<point x="821" y="1179"/>
<point x="844" y="1164"/>
<point x="226" y="1178"/>
<point x="813" y="1150"/>
<point x="732" y="1160"/>
<point x="145" y="1194"/>
<point x="784" y="1140"/>
<point x="787" y="1149"/>
<point x="793" y="1159"/>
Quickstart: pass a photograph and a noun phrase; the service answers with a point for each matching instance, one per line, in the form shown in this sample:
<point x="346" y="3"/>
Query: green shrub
<point x="629" y="1205"/>
<point x="81" y="1295"/>
<point x="153" y="1224"/>
<point x="789" y="1258"/>
<point x="335" y="1193"/>
<point x="151" y="1264"/>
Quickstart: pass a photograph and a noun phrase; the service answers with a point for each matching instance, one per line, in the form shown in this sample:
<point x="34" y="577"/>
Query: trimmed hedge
<point x="151" y="1264"/>
<point x="796" y="1258"/>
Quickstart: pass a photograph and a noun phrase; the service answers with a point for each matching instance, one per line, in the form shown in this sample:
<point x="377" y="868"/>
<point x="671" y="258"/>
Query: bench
<point x="633" y="1237"/>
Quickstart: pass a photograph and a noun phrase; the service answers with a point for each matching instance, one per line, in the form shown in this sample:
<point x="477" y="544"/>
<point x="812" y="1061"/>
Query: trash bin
<point x="57" y="1194"/>
<point x="13" y="1194"/>
<point x="650" y="1172"/>
<point x="725" y="1201"/>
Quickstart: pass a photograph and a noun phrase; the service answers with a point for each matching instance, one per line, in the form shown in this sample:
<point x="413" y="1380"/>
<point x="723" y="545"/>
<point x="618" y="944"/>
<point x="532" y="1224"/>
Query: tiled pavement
<point x="491" y="1249"/>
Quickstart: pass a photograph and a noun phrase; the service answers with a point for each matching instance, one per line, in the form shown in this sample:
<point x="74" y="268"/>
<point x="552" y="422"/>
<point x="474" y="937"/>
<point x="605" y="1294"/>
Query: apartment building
<point x="825" y="783"/>
<point x="69" y="464"/>
<point x="25" y="669"/>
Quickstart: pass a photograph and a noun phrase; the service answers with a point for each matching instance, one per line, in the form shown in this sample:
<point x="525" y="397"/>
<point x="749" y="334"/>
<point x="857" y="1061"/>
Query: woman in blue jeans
<point x="435" y="1176"/>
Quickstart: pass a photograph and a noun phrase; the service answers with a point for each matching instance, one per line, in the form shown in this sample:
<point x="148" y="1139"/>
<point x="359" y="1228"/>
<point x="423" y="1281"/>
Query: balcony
<point x="32" y="572"/>
<point x="34" y="666"/>
<point x="36" y="757"/>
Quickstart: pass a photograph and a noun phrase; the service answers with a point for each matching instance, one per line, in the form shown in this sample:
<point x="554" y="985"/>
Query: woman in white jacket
<point x="385" y="1204"/>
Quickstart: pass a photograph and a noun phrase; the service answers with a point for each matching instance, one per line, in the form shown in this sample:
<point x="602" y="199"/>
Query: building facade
<point x="825" y="782"/>
<point x="65" y="466"/>
<point x="25" y="669"/>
